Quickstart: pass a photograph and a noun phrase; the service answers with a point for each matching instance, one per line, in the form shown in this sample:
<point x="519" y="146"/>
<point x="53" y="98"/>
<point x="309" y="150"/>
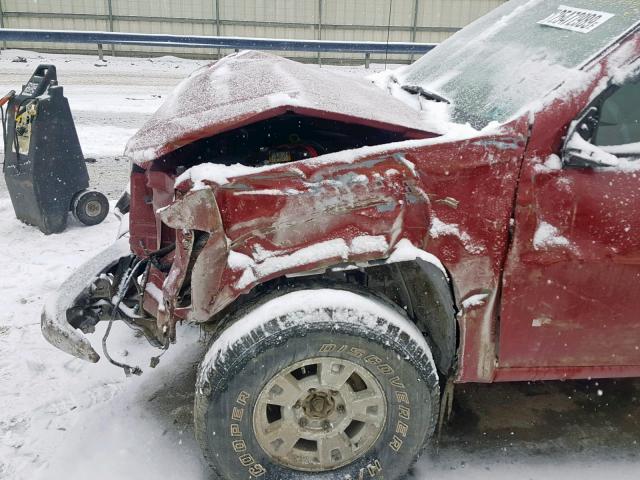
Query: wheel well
<point x="423" y="291"/>
<point x="417" y="287"/>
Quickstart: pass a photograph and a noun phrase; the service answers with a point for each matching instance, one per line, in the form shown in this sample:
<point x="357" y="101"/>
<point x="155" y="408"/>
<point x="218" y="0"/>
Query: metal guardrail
<point x="196" y="41"/>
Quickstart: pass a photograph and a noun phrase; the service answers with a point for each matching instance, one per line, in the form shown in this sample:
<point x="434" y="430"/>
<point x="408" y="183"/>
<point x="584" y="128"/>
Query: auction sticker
<point x="576" y="19"/>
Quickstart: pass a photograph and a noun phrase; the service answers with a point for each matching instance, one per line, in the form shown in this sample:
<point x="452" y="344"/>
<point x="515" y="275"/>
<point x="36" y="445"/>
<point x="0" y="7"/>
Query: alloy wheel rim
<point x="319" y="414"/>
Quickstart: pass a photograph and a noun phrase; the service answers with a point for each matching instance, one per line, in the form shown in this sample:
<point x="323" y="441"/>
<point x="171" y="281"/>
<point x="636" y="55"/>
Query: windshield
<point x="507" y="59"/>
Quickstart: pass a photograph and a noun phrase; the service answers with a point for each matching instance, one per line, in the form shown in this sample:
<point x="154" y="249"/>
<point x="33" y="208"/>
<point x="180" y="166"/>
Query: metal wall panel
<point x="453" y="13"/>
<point x="196" y="9"/>
<point x="382" y="19"/>
<point x="282" y="11"/>
<point x="368" y="12"/>
<point x="367" y="20"/>
<point x="78" y="20"/>
<point x="296" y="19"/>
<point x="98" y="7"/>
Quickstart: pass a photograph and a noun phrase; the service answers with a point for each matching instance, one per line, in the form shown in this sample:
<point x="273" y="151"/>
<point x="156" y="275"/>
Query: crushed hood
<point x="250" y="86"/>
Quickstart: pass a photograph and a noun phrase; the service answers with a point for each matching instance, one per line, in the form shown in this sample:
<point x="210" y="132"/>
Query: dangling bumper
<point x="54" y="321"/>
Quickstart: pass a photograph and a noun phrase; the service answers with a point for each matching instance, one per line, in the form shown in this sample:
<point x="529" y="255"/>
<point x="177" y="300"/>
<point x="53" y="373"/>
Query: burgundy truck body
<point x="358" y="247"/>
<point x="542" y="258"/>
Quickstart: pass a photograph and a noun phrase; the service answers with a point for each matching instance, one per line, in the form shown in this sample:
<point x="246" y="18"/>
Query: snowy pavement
<point x="54" y="405"/>
<point x="62" y="418"/>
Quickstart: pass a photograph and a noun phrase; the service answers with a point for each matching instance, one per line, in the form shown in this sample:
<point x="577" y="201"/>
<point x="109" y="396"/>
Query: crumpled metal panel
<point x="290" y="220"/>
<point x="453" y="199"/>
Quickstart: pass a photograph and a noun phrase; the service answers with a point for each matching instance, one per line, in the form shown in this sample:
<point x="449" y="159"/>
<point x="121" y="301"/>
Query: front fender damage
<point x="196" y="211"/>
<point x="285" y="221"/>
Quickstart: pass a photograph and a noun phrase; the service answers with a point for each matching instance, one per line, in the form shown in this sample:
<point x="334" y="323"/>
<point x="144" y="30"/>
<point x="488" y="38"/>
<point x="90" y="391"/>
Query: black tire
<point x="90" y="207"/>
<point x="280" y="331"/>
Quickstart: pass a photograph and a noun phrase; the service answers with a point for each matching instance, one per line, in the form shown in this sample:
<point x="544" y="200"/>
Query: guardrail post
<point x="100" y="53"/>
<point x="110" y="7"/>
<point x="4" y="44"/>
<point x="367" y="59"/>
<point x="319" y="28"/>
<point x="218" y="29"/>
<point x="414" y="29"/>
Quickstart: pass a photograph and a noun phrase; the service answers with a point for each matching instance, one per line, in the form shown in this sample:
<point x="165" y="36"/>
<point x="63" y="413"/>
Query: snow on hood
<point x="250" y="86"/>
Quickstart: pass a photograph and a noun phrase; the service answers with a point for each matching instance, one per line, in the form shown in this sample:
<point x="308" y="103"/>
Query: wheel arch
<point x="419" y="288"/>
<point x="425" y="293"/>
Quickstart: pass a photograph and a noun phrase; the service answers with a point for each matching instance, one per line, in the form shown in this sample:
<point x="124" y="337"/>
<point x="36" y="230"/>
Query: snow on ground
<point x="61" y="418"/>
<point x="48" y="398"/>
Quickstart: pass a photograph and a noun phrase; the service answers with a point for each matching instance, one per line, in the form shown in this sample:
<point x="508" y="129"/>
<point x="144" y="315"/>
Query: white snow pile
<point x="436" y="116"/>
<point x="441" y="229"/>
<point x="546" y="236"/>
<point x="65" y="419"/>
<point x="240" y="86"/>
<point x="265" y="263"/>
<point x="552" y="163"/>
<point x="474" y="300"/>
<point x="274" y="262"/>
<point x="625" y="153"/>
<point x="616" y="157"/>
<point x="406" y="251"/>
<point x="216" y="173"/>
<point x="592" y="152"/>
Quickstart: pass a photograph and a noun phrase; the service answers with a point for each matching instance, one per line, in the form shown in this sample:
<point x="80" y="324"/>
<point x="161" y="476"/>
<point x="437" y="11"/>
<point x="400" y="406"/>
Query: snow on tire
<point x="316" y="383"/>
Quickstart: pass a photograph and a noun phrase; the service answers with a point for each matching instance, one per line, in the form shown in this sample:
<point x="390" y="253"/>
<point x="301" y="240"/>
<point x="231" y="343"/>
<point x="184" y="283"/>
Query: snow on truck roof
<point x="249" y="86"/>
<point x="518" y="53"/>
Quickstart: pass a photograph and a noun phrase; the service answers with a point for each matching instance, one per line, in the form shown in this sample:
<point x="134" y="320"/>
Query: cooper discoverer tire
<point x="316" y="384"/>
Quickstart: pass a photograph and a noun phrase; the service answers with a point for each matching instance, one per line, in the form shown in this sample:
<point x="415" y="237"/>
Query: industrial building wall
<point x="364" y="20"/>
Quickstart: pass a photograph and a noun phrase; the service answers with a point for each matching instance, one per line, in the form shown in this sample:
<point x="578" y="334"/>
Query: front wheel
<point x="317" y="383"/>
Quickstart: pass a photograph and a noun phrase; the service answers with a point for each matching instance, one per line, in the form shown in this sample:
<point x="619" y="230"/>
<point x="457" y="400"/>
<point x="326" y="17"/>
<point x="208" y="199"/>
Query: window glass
<point x="499" y="64"/>
<point x="619" y="122"/>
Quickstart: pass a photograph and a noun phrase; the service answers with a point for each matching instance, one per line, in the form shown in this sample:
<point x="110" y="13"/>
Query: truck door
<point x="571" y="289"/>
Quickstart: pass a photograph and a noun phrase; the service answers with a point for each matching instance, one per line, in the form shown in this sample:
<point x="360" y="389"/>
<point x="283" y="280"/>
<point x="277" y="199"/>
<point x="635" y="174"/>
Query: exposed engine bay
<point x="130" y="289"/>
<point x="287" y="138"/>
<point x="176" y="263"/>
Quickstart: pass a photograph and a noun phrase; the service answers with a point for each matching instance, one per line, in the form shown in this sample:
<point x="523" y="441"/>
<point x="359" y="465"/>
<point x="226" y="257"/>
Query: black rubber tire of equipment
<point x="81" y="203"/>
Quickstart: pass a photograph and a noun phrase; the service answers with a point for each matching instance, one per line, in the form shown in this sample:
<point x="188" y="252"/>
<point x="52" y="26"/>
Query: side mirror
<point x="580" y="153"/>
<point x="587" y="124"/>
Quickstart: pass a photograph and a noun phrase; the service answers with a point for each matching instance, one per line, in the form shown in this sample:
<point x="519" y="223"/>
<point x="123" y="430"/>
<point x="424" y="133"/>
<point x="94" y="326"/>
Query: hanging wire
<point x="125" y="283"/>
<point x="122" y="290"/>
<point x="386" y="53"/>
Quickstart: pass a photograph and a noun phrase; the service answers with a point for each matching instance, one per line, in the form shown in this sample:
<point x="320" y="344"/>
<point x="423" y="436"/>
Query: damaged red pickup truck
<point x="358" y="247"/>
